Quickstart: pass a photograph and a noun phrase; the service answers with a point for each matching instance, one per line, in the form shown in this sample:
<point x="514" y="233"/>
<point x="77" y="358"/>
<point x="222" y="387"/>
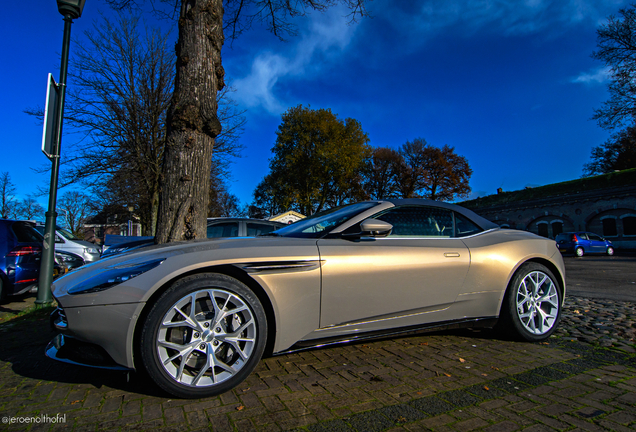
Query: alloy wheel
<point x="537" y="303"/>
<point x="206" y="337"/>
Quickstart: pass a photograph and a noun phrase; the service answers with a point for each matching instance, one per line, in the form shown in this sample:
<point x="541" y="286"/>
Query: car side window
<point x="223" y="229"/>
<point x="584" y="236"/>
<point x="419" y="221"/>
<point x="464" y="227"/>
<point x="25" y="233"/>
<point x="594" y="237"/>
<point x="257" y="228"/>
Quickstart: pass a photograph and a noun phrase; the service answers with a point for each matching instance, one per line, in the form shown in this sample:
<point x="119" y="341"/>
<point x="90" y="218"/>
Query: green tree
<point x="432" y="172"/>
<point x="7" y="196"/>
<point x="616" y="154"/>
<point x="123" y="76"/>
<point x="317" y="162"/>
<point x="192" y="120"/>
<point x="76" y="207"/>
<point x="616" y="41"/>
<point x="382" y="175"/>
<point x="29" y="209"/>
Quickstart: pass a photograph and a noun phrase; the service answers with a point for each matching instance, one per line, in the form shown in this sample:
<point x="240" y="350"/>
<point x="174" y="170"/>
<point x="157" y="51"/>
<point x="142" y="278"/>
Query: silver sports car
<point x="198" y="316"/>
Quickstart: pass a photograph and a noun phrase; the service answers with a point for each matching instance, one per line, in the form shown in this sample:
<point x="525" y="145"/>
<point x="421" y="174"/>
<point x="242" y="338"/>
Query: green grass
<point x="32" y="313"/>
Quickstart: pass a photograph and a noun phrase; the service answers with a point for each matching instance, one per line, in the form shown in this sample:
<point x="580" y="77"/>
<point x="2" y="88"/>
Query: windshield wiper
<point x="269" y="234"/>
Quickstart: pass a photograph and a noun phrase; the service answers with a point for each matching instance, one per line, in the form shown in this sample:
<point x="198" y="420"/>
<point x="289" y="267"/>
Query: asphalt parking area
<point x="600" y="276"/>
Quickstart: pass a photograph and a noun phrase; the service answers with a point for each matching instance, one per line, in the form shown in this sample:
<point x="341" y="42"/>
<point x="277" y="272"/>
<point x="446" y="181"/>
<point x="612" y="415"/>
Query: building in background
<point x="288" y="217"/>
<point x="605" y="205"/>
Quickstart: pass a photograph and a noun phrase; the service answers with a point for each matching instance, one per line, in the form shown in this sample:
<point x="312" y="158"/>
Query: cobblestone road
<point x="451" y="381"/>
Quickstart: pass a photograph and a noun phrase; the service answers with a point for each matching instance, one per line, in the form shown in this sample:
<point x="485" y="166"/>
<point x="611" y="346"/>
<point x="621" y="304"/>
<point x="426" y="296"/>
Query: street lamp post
<point x="70" y="9"/>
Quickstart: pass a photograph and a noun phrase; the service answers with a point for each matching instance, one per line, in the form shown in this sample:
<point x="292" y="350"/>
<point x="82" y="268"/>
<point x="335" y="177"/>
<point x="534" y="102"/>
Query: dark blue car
<point x="20" y="254"/>
<point x="581" y="243"/>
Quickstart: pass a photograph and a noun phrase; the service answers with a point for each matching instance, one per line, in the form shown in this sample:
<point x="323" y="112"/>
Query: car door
<point x="417" y="269"/>
<point x="584" y="242"/>
<point x="597" y="244"/>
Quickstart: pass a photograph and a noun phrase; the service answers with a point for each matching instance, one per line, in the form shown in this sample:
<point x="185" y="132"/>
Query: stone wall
<point x="609" y="210"/>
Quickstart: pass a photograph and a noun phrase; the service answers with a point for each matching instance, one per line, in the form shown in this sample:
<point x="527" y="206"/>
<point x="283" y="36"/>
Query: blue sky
<point x="509" y="83"/>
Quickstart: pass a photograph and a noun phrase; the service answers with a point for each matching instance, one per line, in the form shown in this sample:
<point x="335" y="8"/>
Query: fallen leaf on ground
<point x="461" y="360"/>
<point x="240" y="408"/>
<point x="447" y="374"/>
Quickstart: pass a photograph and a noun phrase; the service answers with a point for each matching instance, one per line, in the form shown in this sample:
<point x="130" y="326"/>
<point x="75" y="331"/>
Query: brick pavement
<point x="450" y="381"/>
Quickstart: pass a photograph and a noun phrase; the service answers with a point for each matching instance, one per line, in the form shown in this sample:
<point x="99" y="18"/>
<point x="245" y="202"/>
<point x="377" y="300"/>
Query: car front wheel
<point x="610" y="251"/>
<point x="532" y="306"/>
<point x="203" y="336"/>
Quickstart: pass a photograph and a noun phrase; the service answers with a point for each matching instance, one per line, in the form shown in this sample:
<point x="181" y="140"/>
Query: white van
<point x="67" y="242"/>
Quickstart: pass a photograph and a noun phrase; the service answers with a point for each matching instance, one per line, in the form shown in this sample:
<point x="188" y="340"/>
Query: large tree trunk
<point x="192" y="122"/>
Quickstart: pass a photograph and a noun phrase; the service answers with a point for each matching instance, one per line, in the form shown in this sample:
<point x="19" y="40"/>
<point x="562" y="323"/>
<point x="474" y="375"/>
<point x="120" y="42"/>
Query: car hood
<point x="178" y="259"/>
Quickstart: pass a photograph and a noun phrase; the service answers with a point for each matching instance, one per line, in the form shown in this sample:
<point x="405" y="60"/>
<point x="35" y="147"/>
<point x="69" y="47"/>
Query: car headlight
<point x="63" y="258"/>
<point x="112" y="250"/>
<point x="91" y="250"/>
<point x="114" y="276"/>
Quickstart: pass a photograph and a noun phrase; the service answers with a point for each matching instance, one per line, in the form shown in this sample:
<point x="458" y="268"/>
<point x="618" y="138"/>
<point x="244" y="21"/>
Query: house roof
<point x="287" y="213"/>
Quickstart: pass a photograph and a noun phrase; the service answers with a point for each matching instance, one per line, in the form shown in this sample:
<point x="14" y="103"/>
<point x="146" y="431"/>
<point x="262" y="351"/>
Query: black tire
<point x="531" y="309"/>
<point x="610" y="251"/>
<point x="579" y="252"/>
<point x="178" y="357"/>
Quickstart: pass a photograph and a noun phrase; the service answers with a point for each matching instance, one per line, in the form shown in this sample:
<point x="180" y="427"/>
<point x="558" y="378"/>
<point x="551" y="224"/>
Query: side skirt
<point x="303" y="345"/>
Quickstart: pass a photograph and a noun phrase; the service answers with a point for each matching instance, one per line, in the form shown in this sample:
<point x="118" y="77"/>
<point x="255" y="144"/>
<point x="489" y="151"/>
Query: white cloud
<point x="327" y="36"/>
<point x="597" y="76"/>
<point x="510" y="17"/>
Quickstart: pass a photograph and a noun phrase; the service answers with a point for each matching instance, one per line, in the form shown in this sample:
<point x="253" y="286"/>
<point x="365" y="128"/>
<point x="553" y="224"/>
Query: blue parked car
<point x="581" y="243"/>
<point x="20" y="254"/>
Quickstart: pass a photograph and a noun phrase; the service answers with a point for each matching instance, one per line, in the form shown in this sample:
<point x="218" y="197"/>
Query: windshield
<point x="321" y="223"/>
<point x="66" y="234"/>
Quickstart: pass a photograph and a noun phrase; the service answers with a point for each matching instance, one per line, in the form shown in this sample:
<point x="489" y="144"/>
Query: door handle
<point x="451" y="254"/>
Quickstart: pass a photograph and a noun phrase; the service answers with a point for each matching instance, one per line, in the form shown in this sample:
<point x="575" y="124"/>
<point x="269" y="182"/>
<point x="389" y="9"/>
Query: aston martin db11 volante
<point x="198" y="316"/>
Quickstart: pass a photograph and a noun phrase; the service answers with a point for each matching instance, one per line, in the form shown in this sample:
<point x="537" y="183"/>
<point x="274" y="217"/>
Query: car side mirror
<point x="372" y="228"/>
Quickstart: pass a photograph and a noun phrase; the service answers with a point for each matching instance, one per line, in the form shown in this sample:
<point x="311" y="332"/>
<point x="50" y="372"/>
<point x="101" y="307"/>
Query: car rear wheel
<point x="203" y="336"/>
<point x="532" y="306"/>
<point x="579" y="252"/>
<point x="610" y="251"/>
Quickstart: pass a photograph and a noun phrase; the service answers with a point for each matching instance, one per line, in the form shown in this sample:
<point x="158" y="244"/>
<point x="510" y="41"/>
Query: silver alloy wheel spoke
<point x="537" y="303"/>
<point x="206" y="337"/>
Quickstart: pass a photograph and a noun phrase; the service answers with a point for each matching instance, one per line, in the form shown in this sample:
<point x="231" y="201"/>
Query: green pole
<point x="48" y="251"/>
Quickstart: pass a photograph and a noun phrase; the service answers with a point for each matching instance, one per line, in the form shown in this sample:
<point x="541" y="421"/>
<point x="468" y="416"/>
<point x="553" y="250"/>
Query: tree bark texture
<point x="192" y="122"/>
